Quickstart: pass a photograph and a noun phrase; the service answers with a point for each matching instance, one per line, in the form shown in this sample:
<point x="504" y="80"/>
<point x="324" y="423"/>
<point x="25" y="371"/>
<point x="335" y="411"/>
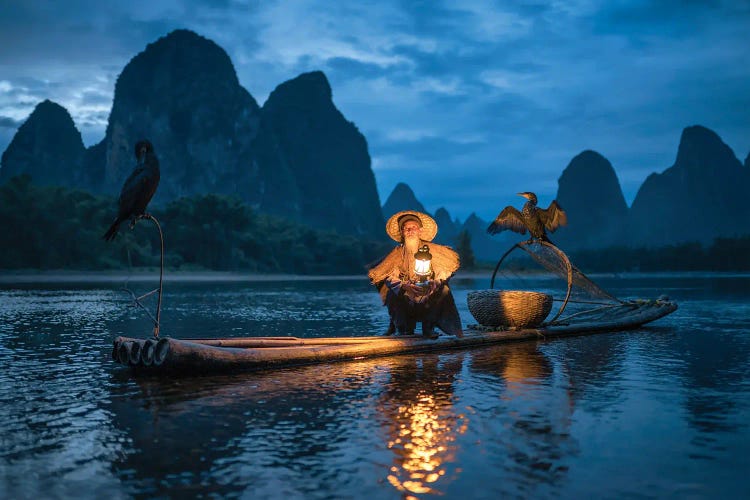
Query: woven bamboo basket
<point x="509" y="308"/>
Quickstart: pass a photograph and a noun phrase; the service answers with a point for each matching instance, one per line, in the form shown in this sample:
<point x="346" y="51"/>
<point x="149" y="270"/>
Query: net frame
<point x="563" y="268"/>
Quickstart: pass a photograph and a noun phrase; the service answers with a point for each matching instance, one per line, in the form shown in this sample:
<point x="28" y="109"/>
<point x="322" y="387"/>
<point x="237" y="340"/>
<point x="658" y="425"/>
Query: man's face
<point x="410" y="229"/>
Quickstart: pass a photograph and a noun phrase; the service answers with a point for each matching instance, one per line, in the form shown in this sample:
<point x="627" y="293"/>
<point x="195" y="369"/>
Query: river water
<point x="662" y="411"/>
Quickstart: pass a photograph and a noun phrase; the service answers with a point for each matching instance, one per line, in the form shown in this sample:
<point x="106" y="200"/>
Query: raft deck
<point x="206" y="355"/>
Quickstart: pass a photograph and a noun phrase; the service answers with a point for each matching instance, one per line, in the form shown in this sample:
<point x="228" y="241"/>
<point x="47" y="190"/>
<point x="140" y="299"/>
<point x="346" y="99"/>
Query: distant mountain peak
<point x="591" y="174"/>
<point x="701" y="148"/>
<point x="316" y="164"/>
<point x="442" y="212"/>
<point x="178" y="66"/>
<point x="590" y="194"/>
<point x="182" y="93"/>
<point x="698" y="198"/>
<point x="401" y="198"/>
<point x="47" y="146"/>
<point x="190" y="51"/>
<point x="308" y="90"/>
<point x="47" y="106"/>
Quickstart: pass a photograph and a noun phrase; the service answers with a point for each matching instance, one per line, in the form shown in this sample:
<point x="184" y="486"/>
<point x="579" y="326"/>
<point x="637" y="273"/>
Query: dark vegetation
<point x="724" y="254"/>
<point x="463" y="248"/>
<point x="61" y="228"/>
<point x="44" y="227"/>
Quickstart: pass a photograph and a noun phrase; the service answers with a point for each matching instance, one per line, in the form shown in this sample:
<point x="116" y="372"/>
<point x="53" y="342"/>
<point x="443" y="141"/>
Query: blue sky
<point x="468" y="102"/>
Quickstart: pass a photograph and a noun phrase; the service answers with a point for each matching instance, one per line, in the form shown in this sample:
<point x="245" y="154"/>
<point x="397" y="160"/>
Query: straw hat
<point x="393" y="226"/>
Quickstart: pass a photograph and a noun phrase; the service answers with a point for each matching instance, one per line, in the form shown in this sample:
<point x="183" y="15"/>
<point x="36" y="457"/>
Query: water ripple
<point x="601" y="415"/>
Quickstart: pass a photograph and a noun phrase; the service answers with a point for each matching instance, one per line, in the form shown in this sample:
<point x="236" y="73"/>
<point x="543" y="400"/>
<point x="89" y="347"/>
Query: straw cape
<point x="445" y="262"/>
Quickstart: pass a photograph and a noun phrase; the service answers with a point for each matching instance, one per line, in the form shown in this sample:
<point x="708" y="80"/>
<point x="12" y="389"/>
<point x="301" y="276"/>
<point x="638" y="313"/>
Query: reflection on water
<point x="421" y="422"/>
<point x="531" y="404"/>
<point x="660" y="411"/>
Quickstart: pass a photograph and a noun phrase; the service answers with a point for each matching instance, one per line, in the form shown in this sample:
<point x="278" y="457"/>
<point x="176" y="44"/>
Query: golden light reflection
<point x="422" y="436"/>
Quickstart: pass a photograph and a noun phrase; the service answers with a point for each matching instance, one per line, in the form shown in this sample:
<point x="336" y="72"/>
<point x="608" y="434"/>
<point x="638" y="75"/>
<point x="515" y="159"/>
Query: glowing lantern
<point x="422" y="264"/>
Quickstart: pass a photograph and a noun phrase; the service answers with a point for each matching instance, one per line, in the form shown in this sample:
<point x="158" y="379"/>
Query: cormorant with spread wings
<point x="531" y="218"/>
<point x="138" y="189"/>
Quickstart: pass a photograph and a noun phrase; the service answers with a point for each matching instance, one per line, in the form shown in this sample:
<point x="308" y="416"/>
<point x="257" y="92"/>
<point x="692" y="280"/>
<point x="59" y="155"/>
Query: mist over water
<point x="657" y="412"/>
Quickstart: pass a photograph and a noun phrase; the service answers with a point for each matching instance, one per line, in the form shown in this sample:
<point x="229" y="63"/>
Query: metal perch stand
<point x="137" y="300"/>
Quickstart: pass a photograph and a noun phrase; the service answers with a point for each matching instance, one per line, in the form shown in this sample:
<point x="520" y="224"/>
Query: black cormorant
<point x="531" y="218"/>
<point x="138" y="189"/>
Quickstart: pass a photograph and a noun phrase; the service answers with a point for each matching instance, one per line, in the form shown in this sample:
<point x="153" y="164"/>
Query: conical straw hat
<point x="393" y="226"/>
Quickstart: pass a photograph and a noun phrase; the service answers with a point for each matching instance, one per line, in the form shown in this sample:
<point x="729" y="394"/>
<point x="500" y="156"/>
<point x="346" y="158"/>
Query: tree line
<point x="52" y="227"/>
<point x="46" y="227"/>
<point x="723" y="254"/>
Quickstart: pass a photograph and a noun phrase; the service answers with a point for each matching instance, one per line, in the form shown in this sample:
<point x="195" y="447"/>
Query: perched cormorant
<point x="531" y="218"/>
<point x="138" y="189"/>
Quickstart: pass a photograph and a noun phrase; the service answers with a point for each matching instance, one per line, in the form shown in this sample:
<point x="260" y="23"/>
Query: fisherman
<point x="409" y="297"/>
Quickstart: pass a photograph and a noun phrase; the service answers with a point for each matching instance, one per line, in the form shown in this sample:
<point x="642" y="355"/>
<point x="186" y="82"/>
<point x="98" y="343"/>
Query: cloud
<point x="8" y="122"/>
<point x="305" y="33"/>
<point x="487" y="98"/>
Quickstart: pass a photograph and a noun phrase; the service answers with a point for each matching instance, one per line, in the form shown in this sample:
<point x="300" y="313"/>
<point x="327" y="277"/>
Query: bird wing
<point x="509" y="218"/>
<point x="132" y="188"/>
<point x="553" y="217"/>
<point x="132" y="181"/>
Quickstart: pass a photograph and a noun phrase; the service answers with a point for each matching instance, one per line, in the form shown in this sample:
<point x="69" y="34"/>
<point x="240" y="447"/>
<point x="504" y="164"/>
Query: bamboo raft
<point x="206" y="355"/>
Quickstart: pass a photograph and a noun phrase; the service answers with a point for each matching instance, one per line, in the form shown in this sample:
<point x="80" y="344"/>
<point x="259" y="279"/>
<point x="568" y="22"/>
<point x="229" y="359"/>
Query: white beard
<point x="412" y="244"/>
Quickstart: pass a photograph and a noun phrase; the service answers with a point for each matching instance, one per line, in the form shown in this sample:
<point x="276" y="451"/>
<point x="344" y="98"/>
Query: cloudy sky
<point x="466" y="101"/>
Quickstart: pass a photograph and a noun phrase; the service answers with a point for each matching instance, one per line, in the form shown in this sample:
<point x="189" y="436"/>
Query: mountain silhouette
<point x="48" y="147"/>
<point x="182" y="92"/>
<point x="701" y="197"/>
<point x="297" y="156"/>
<point x="590" y="194"/>
<point x="402" y="198"/>
<point x="314" y="163"/>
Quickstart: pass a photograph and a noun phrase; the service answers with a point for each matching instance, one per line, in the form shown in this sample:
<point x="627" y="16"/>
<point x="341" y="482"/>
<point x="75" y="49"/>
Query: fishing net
<point x="541" y="266"/>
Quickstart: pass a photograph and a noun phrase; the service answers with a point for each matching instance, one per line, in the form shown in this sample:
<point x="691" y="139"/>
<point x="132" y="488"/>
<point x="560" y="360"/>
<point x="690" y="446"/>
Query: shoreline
<point x="61" y="276"/>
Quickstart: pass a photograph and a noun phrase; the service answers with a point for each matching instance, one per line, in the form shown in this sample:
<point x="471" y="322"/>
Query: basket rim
<point x="497" y="291"/>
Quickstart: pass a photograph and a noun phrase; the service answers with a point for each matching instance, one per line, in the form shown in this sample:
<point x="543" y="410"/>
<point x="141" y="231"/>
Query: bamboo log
<point x="252" y="342"/>
<point x="147" y="352"/>
<point x="211" y="355"/>
<point x="134" y="354"/>
<point x="123" y="352"/>
<point x="160" y="351"/>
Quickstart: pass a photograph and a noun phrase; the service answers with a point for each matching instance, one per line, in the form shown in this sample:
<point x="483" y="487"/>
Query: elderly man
<point x="408" y="299"/>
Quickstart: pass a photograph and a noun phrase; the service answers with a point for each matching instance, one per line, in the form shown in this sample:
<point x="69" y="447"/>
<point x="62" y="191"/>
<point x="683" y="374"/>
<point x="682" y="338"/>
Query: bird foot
<point x="139" y="217"/>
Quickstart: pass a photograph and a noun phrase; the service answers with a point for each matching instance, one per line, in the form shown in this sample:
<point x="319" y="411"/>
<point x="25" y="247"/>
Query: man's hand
<point x="412" y="288"/>
<point x="420" y="291"/>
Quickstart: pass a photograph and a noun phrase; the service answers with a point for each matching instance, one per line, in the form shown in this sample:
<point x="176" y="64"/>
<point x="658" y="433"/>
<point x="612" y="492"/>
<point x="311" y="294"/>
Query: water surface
<point x="661" y="411"/>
